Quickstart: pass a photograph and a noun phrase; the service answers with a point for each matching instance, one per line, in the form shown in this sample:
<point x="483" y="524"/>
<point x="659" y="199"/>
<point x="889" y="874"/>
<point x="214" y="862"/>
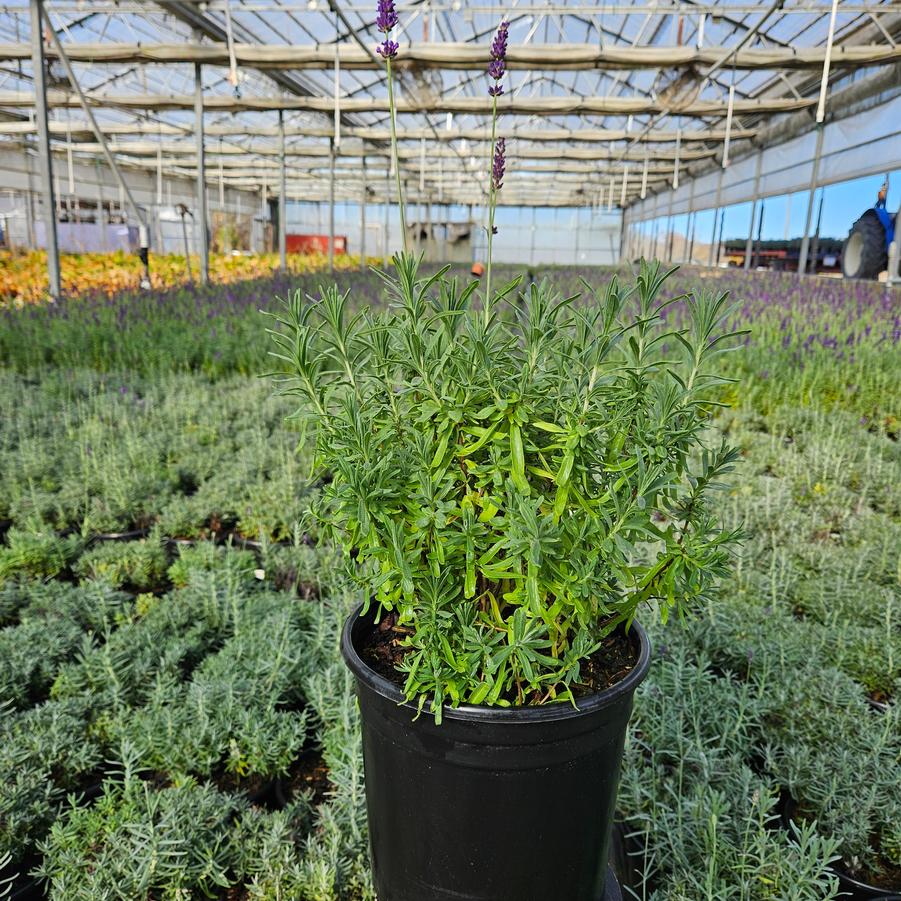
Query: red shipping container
<point x="314" y="244"/>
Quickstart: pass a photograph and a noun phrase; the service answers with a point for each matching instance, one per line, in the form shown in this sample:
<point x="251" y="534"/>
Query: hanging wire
<point x="232" y="58"/>
<point x="729" y="108"/>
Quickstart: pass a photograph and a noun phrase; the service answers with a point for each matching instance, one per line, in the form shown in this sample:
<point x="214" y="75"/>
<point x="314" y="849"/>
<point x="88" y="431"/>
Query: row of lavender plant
<point x="216" y="329"/>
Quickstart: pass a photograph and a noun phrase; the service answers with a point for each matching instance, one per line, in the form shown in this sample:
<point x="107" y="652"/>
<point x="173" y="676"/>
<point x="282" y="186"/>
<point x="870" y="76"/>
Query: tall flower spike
<point x="498" y="65"/>
<point x="386" y="17"/>
<point x="499" y="165"/>
<point x="499" y="44"/>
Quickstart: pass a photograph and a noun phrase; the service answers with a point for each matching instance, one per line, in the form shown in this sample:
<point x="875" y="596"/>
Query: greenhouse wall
<point x="82" y="187"/>
<point x="867" y="143"/>
<point x="530" y="236"/>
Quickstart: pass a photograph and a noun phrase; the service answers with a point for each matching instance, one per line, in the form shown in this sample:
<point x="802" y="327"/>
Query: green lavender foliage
<point x="136" y="841"/>
<point x="93" y="455"/>
<point x="44" y="752"/>
<point x="239" y="710"/>
<point x="205" y="557"/>
<point x="50" y="631"/>
<point x="702" y="822"/>
<point x="36" y="553"/>
<point x="514" y="481"/>
<point x="140" y="565"/>
<point x="189" y="839"/>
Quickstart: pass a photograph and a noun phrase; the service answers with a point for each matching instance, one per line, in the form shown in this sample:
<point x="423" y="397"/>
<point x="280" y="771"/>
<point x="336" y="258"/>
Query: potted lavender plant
<point x="511" y="484"/>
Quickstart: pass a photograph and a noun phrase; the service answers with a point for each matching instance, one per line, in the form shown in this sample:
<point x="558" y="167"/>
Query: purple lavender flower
<point x="388" y="49"/>
<point x="498" y="65"/>
<point x="499" y="44"/>
<point x="500" y="163"/>
<point x="496" y="69"/>
<point x="386" y="18"/>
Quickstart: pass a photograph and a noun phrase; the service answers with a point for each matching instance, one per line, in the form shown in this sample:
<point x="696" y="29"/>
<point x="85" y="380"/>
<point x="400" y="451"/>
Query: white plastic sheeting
<point x="867" y="143"/>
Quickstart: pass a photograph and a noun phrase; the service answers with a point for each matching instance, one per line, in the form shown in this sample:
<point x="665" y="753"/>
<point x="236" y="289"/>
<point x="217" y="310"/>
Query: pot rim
<point x="877" y="893"/>
<point x="507" y="715"/>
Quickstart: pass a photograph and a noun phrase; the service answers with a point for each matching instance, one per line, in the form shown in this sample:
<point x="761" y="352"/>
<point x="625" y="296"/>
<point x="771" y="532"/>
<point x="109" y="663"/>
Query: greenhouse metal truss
<point x="605" y="104"/>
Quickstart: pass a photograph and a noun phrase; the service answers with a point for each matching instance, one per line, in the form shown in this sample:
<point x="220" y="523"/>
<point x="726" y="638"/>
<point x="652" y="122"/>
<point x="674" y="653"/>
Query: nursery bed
<point x="155" y="561"/>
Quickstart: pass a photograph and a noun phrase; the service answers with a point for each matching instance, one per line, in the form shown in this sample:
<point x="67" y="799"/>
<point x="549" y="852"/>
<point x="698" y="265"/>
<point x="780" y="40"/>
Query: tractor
<point x="865" y="252"/>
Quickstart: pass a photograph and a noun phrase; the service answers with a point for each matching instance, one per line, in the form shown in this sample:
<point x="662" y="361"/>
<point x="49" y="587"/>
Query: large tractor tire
<point x="864" y="254"/>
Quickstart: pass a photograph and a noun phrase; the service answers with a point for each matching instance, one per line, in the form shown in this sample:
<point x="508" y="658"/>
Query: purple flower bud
<point x="499" y="44"/>
<point x="500" y="162"/>
<point x="496" y="69"/>
<point x="388" y="49"/>
<point x="495" y="91"/>
<point x="386" y="18"/>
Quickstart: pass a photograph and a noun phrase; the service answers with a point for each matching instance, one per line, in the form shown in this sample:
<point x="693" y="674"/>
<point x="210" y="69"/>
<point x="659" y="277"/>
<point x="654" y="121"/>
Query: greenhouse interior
<point x="450" y="451"/>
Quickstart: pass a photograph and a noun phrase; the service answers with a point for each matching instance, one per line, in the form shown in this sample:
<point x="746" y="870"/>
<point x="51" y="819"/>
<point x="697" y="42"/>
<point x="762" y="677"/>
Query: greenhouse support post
<point x="282" y="196"/>
<point x="202" y="223"/>
<point x="44" y="159"/>
<point x="386" y="253"/>
<point x="125" y="190"/>
<point x="331" y="206"/>
<point x="690" y="223"/>
<point x="815" y="246"/>
<point x="716" y="216"/>
<point x="808" y="219"/>
<point x="757" y="246"/>
<point x="29" y="200"/>
<point x="749" y="244"/>
<point x="719" y="238"/>
<point x="363" y="217"/>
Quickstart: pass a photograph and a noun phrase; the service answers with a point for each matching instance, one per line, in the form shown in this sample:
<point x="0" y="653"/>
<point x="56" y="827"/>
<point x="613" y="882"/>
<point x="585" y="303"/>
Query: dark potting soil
<point x="308" y="774"/>
<point x="616" y="657"/>
<point x="887" y="879"/>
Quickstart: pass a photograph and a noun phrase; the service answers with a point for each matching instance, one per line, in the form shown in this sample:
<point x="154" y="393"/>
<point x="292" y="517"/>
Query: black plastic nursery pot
<point x="852" y="889"/>
<point x="495" y="804"/>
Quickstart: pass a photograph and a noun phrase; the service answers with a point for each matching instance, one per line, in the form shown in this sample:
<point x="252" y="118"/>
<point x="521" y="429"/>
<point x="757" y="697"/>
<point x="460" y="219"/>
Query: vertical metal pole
<point x="716" y="216"/>
<point x="534" y="230"/>
<point x="282" y="196"/>
<point x="331" y="206"/>
<point x="101" y="215"/>
<point x="719" y="240"/>
<point x="428" y="226"/>
<point x="749" y="243"/>
<point x="671" y="227"/>
<point x="824" y="82"/>
<point x="386" y="253"/>
<point x="203" y="225"/>
<point x="29" y="199"/>
<point x="815" y="248"/>
<point x="814" y="177"/>
<point x="363" y="218"/>
<point x="756" y="260"/>
<point x="690" y="223"/>
<point x="44" y="160"/>
<point x="692" y="219"/>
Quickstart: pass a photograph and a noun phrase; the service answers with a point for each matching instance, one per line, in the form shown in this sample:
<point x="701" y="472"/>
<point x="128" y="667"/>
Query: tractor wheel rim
<point x="853" y="254"/>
